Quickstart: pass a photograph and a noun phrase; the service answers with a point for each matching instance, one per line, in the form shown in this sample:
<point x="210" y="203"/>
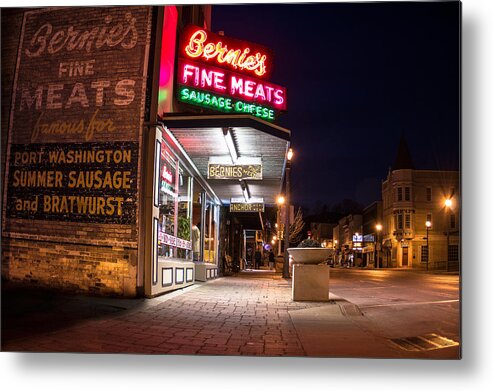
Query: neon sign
<point x="227" y="75"/>
<point x="167" y="175"/>
<point x="224" y="104"/>
<point x="238" y="55"/>
<point x="220" y="81"/>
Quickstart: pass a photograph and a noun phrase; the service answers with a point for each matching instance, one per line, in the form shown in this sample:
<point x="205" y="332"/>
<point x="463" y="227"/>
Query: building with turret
<point x="421" y="216"/>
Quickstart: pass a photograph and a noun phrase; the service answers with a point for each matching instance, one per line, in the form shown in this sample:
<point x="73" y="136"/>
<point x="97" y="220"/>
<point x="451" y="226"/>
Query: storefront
<point x="124" y="155"/>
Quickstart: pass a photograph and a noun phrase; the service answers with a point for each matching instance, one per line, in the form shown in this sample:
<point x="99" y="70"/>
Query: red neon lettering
<point x="167" y="175"/>
<point x="279" y="99"/>
<point x="237" y="58"/>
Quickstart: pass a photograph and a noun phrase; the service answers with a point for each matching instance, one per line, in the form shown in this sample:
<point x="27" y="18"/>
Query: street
<point x="400" y="303"/>
<point x="250" y="314"/>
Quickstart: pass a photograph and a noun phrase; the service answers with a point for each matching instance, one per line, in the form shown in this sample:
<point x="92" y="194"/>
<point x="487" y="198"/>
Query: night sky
<point x="357" y="77"/>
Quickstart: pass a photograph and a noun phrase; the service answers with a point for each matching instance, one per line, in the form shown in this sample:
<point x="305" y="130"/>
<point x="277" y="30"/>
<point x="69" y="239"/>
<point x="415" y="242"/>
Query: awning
<point x="201" y="137"/>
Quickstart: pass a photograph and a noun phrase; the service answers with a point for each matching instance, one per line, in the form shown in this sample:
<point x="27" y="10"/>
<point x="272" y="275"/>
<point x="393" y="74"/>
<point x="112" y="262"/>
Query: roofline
<point x="221" y="121"/>
<point x="424" y="169"/>
<point x="180" y="151"/>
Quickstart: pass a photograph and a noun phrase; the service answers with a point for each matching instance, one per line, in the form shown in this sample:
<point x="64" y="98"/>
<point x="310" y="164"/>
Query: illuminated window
<point x="399" y="194"/>
<point x="424" y="253"/>
<point x="407" y="193"/>
<point x="407" y="221"/>
<point x="399" y="221"/>
<point x="175" y="211"/>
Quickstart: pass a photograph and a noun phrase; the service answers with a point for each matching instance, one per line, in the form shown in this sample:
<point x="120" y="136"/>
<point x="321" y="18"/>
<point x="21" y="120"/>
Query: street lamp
<point x="285" y="269"/>
<point x="448" y="206"/>
<point x="428" y="226"/>
<point x="379" y="228"/>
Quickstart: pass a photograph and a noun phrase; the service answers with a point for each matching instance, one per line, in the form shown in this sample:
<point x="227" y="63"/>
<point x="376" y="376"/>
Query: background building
<point x="410" y="198"/>
<point x="349" y="236"/>
<point x="372" y="221"/>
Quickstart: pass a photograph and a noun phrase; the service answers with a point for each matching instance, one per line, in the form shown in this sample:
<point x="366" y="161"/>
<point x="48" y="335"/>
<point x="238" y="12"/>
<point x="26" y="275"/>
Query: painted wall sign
<point x="230" y="171"/>
<point x="246" y="207"/>
<point x="80" y="77"/>
<point x="77" y="110"/>
<point x="238" y="55"/>
<point x="86" y="182"/>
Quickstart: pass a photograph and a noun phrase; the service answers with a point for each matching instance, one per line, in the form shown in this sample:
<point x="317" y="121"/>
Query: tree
<point x="295" y="229"/>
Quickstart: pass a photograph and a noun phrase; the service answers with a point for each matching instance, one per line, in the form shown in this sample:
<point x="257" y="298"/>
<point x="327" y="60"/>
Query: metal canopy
<point x="202" y="137"/>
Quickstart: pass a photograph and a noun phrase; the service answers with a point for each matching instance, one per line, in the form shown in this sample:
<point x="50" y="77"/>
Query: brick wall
<point x="11" y="27"/>
<point x="79" y="87"/>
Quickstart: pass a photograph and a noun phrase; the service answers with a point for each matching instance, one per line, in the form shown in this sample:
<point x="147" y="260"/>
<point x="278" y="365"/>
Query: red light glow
<point x="205" y="46"/>
<point x="167" y="175"/>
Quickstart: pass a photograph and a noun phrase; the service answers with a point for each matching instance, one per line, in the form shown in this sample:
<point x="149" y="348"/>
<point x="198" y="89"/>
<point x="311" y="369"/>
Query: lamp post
<point x="379" y="228"/>
<point x="285" y="269"/>
<point x="428" y="225"/>
<point x="280" y="202"/>
<point x="278" y="233"/>
<point x="334" y="247"/>
<point x="448" y="205"/>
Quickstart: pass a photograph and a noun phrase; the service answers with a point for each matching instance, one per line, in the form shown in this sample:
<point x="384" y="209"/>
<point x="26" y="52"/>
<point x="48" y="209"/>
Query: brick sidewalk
<point x="243" y="315"/>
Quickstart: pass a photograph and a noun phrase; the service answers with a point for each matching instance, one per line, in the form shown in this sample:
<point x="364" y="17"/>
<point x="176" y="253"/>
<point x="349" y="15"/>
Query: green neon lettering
<point x="185" y="93"/>
<point x="200" y="97"/>
<point x="220" y="103"/>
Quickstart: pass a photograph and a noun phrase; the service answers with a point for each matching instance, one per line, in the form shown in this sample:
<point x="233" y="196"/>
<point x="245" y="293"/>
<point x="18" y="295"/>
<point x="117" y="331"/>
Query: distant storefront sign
<point x="227" y="75"/>
<point x="357" y="238"/>
<point x="370" y="238"/>
<point x="230" y="171"/>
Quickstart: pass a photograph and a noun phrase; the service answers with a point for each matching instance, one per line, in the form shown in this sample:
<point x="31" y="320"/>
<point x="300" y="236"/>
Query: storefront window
<point x="210" y="234"/>
<point x="174" y="207"/>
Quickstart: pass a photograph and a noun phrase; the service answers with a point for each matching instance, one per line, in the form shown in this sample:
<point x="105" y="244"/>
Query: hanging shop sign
<point x="227" y="75"/>
<point x="246" y="207"/>
<point x="231" y="171"/>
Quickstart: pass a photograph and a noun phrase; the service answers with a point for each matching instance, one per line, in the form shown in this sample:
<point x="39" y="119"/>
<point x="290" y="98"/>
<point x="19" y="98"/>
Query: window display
<point x="175" y="212"/>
